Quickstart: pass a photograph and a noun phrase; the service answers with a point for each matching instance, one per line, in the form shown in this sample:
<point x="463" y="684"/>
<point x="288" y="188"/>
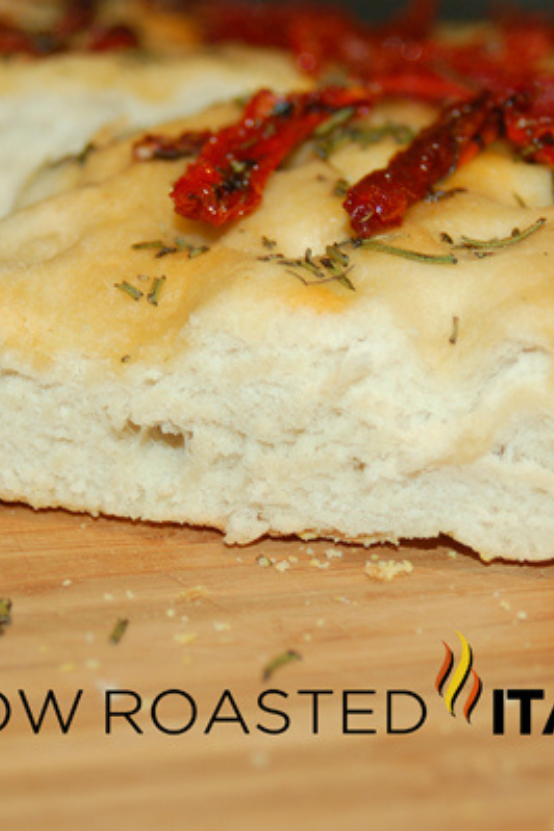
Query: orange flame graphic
<point x="459" y="678"/>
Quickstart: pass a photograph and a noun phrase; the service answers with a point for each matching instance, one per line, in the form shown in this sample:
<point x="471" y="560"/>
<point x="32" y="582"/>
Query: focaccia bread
<point x="53" y="107"/>
<point x="155" y="368"/>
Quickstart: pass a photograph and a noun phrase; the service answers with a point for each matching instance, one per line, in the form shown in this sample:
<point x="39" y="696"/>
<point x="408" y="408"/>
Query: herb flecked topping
<point x="162" y="248"/>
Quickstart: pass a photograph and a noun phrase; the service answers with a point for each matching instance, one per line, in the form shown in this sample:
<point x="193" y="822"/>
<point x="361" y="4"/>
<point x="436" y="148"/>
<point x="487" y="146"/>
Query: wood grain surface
<point x="204" y="618"/>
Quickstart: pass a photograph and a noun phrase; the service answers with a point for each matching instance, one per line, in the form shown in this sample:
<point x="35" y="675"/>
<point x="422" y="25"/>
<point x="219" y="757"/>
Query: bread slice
<point x="225" y="388"/>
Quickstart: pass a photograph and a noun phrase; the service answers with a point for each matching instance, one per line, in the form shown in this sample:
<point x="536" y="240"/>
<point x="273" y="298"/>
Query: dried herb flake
<point x="496" y="243"/>
<point x="155" y="291"/>
<point x="5" y="613"/>
<point x="132" y="291"/>
<point x="288" y="657"/>
<point x="453" y="339"/>
<point x="406" y="253"/>
<point x="119" y="630"/>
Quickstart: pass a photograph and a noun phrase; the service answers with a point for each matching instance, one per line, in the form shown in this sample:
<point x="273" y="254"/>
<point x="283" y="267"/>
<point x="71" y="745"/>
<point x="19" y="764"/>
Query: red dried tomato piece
<point x="380" y="200"/>
<point x="318" y="36"/>
<point x="529" y="121"/>
<point x="79" y="16"/>
<point x="424" y="83"/>
<point x="228" y="178"/>
<point x="111" y="38"/>
<point x="75" y="29"/>
<point x="527" y="34"/>
<point x="15" y="41"/>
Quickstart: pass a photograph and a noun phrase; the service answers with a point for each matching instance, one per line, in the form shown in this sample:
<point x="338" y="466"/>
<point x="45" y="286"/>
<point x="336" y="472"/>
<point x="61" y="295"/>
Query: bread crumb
<point x="130" y="594"/>
<point x="283" y="565"/>
<point x="67" y="582"/>
<point x="195" y="593"/>
<point x="318" y="564"/>
<point x="307" y="637"/>
<point x="92" y="664"/>
<point x="170" y="613"/>
<point x="504" y="604"/>
<point x="342" y="599"/>
<point x="293" y="558"/>
<point x="184" y="638"/>
<point x="452" y="554"/>
<point x="108" y="597"/>
<point x="387" y="570"/>
<point x="68" y="667"/>
<point x="221" y="626"/>
<point x="333" y="553"/>
<point x="263" y="561"/>
<point x="521" y="615"/>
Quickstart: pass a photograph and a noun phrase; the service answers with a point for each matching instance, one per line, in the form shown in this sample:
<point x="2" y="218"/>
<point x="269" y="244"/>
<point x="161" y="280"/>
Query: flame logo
<point x="458" y="679"/>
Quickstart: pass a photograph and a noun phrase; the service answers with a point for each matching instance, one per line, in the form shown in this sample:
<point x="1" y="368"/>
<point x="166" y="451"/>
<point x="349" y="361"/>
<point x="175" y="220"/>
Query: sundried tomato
<point x="228" y="178"/>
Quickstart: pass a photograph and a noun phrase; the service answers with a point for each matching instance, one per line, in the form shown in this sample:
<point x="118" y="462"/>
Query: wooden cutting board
<point x="204" y="619"/>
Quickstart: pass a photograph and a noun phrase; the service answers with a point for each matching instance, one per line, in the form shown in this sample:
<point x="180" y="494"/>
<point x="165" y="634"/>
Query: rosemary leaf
<point x="385" y="248"/>
<point x="119" y="630"/>
<point x="5" y="613"/>
<point x="155" y="243"/>
<point x="132" y="291"/>
<point x="338" y="118"/>
<point x="453" y="339"/>
<point x="341" y="188"/>
<point x="496" y="243"/>
<point x="290" y="656"/>
<point x="155" y="291"/>
<point x="338" y="256"/>
<point x="193" y="250"/>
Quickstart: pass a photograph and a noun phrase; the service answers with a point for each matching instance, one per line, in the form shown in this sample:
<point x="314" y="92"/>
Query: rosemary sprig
<point x="333" y="266"/>
<point x="406" y="253"/>
<point x="496" y="243"/>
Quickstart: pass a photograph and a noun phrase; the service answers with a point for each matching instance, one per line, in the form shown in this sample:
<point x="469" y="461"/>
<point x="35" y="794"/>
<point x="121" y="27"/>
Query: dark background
<point x="464" y="9"/>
